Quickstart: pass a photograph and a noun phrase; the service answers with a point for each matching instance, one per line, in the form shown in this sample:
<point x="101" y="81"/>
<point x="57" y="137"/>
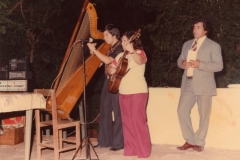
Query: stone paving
<point x="159" y="152"/>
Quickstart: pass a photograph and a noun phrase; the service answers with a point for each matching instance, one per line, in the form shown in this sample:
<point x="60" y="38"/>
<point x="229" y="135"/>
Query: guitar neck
<point x="124" y="54"/>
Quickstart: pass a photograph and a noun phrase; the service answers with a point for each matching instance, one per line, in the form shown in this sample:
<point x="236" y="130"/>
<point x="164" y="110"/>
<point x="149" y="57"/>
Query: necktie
<point x="194" y="46"/>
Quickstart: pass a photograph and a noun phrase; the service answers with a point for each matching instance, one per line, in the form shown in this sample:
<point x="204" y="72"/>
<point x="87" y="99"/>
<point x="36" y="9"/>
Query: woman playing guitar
<point x="133" y="95"/>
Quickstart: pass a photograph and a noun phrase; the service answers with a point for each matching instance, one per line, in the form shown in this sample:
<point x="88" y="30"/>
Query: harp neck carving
<point x="93" y="22"/>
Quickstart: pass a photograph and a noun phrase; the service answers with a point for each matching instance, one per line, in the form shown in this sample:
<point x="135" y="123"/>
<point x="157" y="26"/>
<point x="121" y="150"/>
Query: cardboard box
<point x="12" y="136"/>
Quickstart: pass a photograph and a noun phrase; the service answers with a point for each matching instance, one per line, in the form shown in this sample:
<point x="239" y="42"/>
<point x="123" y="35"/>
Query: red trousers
<point x="135" y="128"/>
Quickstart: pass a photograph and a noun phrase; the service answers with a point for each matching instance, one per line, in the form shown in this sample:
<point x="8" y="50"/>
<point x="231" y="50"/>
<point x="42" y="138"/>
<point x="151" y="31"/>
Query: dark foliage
<point x="41" y="29"/>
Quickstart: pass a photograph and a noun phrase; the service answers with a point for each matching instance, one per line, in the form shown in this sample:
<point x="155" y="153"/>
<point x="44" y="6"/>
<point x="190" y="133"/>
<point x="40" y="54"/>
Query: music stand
<point x="88" y="144"/>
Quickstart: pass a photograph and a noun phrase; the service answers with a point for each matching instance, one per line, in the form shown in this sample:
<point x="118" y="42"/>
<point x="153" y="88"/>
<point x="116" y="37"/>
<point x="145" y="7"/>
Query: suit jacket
<point x="210" y="57"/>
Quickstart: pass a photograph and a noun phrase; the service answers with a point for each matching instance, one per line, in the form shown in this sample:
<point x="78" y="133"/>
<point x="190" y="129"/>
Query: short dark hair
<point x="137" y="43"/>
<point x="113" y="30"/>
<point x="206" y="24"/>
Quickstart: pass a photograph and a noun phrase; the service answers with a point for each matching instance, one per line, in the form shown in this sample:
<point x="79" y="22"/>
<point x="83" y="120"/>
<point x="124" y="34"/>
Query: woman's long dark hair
<point x="137" y="44"/>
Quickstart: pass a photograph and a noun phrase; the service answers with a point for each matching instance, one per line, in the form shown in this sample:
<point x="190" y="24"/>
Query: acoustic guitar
<point x="121" y="69"/>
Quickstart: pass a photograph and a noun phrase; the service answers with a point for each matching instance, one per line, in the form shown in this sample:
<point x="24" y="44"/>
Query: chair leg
<point x="78" y="138"/>
<point x="38" y="134"/>
<point x="60" y="138"/>
<point x="56" y="144"/>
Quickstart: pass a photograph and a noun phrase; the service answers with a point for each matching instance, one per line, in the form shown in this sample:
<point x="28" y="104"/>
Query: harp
<point x="69" y="84"/>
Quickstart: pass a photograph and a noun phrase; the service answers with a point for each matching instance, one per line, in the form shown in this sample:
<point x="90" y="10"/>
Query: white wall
<point x="224" y="128"/>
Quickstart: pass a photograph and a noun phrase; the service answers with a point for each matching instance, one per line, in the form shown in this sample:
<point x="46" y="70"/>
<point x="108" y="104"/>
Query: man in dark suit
<point x="200" y="58"/>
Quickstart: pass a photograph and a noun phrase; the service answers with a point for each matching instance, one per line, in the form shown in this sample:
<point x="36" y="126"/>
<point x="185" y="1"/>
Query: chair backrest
<point x="50" y="96"/>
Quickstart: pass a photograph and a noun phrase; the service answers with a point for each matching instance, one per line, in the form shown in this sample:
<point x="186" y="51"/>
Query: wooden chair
<point x="57" y="125"/>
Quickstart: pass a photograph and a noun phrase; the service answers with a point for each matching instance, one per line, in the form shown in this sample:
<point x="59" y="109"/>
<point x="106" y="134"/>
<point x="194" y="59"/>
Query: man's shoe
<point x="198" y="148"/>
<point x="185" y="146"/>
<point x="115" y="149"/>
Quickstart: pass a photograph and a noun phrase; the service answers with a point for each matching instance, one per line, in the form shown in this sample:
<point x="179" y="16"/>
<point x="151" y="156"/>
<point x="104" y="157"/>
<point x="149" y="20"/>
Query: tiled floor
<point x="159" y="152"/>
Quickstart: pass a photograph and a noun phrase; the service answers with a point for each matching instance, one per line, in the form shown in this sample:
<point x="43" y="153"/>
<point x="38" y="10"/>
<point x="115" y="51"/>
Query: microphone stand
<point x="87" y="141"/>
